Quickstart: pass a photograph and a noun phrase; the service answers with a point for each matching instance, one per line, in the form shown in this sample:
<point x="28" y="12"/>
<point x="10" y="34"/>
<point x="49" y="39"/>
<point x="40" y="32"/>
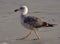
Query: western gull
<point x="31" y="22"/>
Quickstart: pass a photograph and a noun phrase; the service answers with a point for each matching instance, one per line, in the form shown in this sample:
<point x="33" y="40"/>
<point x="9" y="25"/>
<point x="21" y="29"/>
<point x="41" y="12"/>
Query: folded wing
<point x="36" y="22"/>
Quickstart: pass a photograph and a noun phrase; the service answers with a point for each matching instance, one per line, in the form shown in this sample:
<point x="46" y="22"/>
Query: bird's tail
<point x="49" y="25"/>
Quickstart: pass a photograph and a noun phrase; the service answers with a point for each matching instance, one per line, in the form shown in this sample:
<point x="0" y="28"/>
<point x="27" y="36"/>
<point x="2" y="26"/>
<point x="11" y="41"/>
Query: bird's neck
<point x="23" y="16"/>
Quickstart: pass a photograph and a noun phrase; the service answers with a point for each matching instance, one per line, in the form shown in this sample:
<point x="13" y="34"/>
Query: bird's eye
<point x="21" y="8"/>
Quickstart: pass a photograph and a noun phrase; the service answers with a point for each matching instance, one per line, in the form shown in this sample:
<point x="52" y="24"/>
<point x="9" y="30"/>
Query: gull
<point x="30" y="22"/>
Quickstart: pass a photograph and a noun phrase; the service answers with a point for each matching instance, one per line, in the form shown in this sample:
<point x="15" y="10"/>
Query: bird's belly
<point x="27" y="26"/>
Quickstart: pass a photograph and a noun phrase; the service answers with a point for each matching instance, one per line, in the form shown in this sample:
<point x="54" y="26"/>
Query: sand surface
<point x="11" y="29"/>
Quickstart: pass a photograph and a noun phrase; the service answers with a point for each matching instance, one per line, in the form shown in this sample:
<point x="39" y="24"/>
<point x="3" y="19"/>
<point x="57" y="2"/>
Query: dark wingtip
<point x="51" y="25"/>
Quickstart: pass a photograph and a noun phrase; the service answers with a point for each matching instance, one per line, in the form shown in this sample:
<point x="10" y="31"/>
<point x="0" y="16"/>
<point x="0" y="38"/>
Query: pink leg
<point x="37" y="35"/>
<point x="27" y="35"/>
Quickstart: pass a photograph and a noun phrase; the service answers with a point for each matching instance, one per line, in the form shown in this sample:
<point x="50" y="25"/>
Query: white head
<point x="23" y="9"/>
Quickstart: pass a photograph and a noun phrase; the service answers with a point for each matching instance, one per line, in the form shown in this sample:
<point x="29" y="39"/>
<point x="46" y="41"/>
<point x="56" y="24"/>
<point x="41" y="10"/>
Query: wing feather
<point x="33" y="21"/>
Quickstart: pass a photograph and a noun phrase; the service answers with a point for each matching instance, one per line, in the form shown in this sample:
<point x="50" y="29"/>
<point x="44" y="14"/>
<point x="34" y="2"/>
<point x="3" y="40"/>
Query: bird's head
<point x="23" y="9"/>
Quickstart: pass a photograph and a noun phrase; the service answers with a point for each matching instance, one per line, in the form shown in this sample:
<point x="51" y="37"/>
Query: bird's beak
<point x="16" y="10"/>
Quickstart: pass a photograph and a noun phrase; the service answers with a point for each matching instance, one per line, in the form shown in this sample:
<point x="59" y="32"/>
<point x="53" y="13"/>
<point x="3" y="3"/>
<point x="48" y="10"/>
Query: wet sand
<point x="11" y="29"/>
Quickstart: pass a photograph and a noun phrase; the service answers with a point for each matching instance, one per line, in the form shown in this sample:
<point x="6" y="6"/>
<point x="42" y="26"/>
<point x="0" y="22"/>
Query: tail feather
<point x="48" y="24"/>
<point x="51" y="25"/>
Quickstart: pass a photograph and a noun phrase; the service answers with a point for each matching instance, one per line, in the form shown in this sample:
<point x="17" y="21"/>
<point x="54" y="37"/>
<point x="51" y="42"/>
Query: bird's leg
<point x="37" y="35"/>
<point x="27" y="35"/>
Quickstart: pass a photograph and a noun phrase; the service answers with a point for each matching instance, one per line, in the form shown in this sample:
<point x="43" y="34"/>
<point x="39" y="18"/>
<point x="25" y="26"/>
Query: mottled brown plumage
<point x="31" y="22"/>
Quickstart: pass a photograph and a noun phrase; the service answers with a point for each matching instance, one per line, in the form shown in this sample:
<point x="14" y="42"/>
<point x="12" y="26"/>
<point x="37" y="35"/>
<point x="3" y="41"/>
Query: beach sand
<point x="11" y="29"/>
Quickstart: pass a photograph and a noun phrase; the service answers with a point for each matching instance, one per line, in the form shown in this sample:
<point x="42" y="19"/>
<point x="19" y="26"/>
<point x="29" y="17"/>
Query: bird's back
<point x="36" y="22"/>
